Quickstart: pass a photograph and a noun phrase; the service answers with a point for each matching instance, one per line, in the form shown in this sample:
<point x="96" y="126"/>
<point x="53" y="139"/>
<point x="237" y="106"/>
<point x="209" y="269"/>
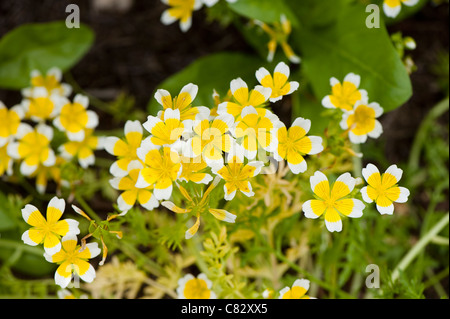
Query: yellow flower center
<point x="196" y="289"/>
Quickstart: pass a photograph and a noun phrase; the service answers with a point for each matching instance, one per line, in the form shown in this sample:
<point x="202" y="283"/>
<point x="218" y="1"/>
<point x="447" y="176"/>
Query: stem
<point x="6" y="243"/>
<point x="87" y="208"/>
<point x="419" y="246"/>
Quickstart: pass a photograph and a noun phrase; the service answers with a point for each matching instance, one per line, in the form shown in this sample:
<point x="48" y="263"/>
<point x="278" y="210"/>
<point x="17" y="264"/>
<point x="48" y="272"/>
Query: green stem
<point x="421" y="136"/>
<point x="87" y="208"/>
<point x="6" y="243"/>
<point x="419" y="246"/>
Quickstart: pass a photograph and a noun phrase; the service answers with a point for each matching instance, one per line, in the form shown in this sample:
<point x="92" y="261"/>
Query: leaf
<point x="268" y="11"/>
<point x="347" y="45"/>
<point x="211" y="72"/>
<point x="40" y="46"/>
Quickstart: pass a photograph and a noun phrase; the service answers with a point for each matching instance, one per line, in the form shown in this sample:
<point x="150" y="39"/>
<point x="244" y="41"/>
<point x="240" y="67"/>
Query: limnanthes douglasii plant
<point x="214" y="193"/>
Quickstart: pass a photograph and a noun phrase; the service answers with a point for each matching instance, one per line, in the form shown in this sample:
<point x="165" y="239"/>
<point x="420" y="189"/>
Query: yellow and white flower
<point x="393" y="7"/>
<point x="210" y="139"/>
<point x="165" y="132"/>
<point x="344" y="95"/>
<point x="74" y="118"/>
<point x="190" y="287"/>
<point x="124" y="149"/>
<point x="51" y="82"/>
<point x="42" y="105"/>
<point x="383" y="189"/>
<point x="333" y="201"/>
<point x="237" y="176"/>
<point x="180" y="10"/>
<point x="293" y="144"/>
<point x="43" y="173"/>
<point x="242" y="98"/>
<point x="33" y="147"/>
<point x="278" y="82"/>
<point x="194" y="170"/>
<point x="131" y="193"/>
<point x="162" y="167"/>
<point x="48" y="231"/>
<point x="6" y="161"/>
<point x="256" y="130"/>
<point x="9" y="122"/>
<point x="362" y="121"/>
<point x="297" y="291"/>
<point x="73" y="259"/>
<point x="182" y="102"/>
<point x="84" y="150"/>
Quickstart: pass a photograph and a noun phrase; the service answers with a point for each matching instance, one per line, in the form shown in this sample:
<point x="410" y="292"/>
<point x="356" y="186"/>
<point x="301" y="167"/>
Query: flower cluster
<point x="60" y="242"/>
<point x="359" y="117"/>
<point x="187" y="143"/>
<point x="27" y="130"/>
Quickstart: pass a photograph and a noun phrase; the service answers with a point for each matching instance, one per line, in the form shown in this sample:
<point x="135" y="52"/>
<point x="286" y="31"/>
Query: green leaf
<point x="347" y="45"/>
<point x="211" y="72"/>
<point x="40" y="46"/>
<point x="268" y="11"/>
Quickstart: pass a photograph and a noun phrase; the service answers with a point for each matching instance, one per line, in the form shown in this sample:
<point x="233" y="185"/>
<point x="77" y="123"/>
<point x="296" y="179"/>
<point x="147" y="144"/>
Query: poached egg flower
<point x="362" y="121"/>
<point x="180" y="10"/>
<point x="344" y="95"/>
<point x="33" y="147"/>
<point x="393" y="7"/>
<point x="278" y="83"/>
<point x="165" y="132"/>
<point x="297" y="291"/>
<point x="242" y="98"/>
<point x="73" y="259"/>
<point x="51" y="81"/>
<point x="50" y="230"/>
<point x="190" y="287"/>
<point x="42" y="105"/>
<point x="9" y="122"/>
<point x="161" y="169"/>
<point x="84" y="150"/>
<point x="124" y="149"/>
<point x="383" y="189"/>
<point x="293" y="144"/>
<point x="74" y="118"/>
<point x="333" y="201"/>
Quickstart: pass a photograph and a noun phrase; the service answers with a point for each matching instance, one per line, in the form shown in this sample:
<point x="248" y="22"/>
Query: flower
<point x="33" y="147"/>
<point x="193" y="170"/>
<point x="131" y="193"/>
<point x="161" y="168"/>
<point x="74" y="118"/>
<point x="279" y="34"/>
<point x="362" y="121"/>
<point x="182" y="102"/>
<point x="84" y="150"/>
<point x="6" y="161"/>
<point x="181" y="10"/>
<point x="165" y="132"/>
<point x="51" y="82"/>
<point x="256" y="130"/>
<point x="124" y="149"/>
<point x="43" y="173"/>
<point x="298" y="290"/>
<point x="293" y="144"/>
<point x="237" y="176"/>
<point x="72" y="259"/>
<point x="242" y="98"/>
<point x="190" y="287"/>
<point x="278" y="83"/>
<point x="42" y="105"/>
<point x="393" y="7"/>
<point x="9" y="122"/>
<point x="345" y="95"/>
<point x="210" y="139"/>
<point x="383" y="189"/>
<point x="334" y="202"/>
<point x="50" y="230"/>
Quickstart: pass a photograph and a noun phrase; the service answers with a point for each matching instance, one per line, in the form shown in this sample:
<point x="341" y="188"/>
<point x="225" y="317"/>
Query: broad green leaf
<point x="268" y="11"/>
<point x="40" y="46"/>
<point x="211" y="72"/>
<point x="347" y="45"/>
